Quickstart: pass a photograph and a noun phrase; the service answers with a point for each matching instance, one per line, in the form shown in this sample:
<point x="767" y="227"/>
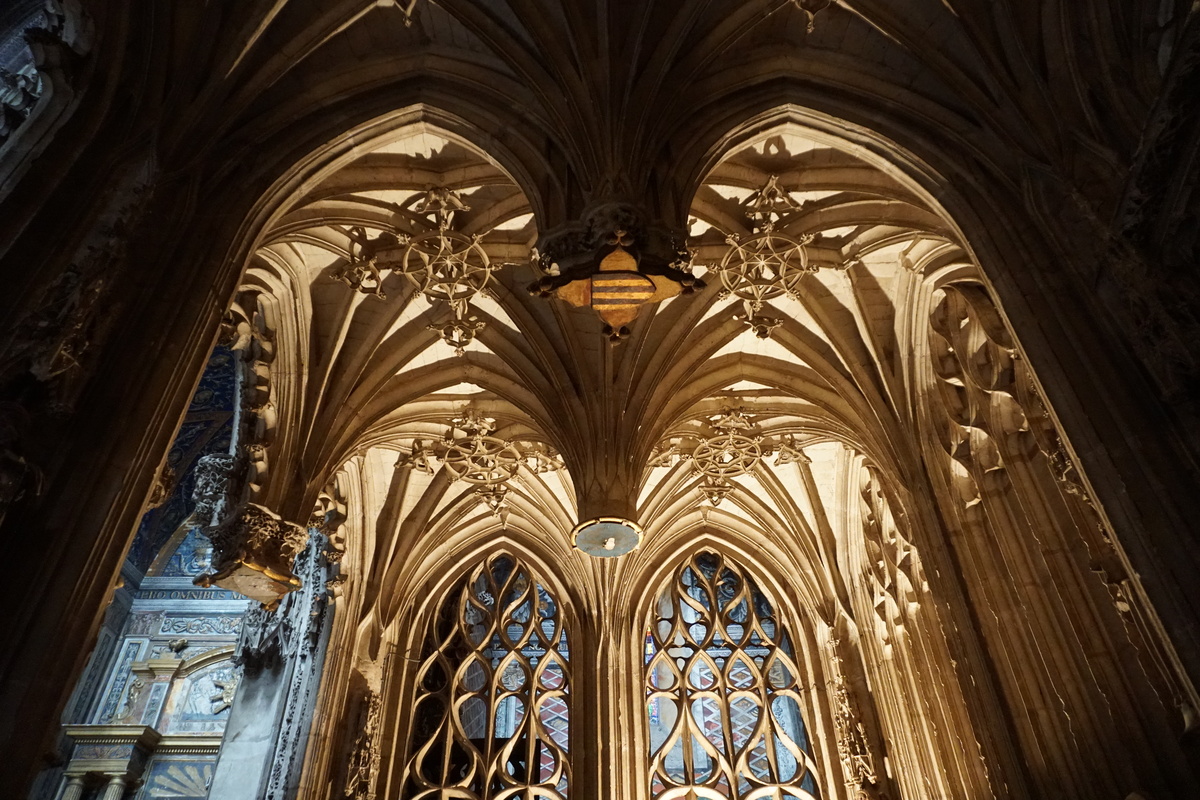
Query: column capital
<point x="111" y="750"/>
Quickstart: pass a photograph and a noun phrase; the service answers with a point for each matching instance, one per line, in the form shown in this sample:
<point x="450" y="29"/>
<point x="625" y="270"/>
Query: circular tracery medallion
<point x="727" y="455"/>
<point x="482" y="460"/>
<point x="763" y="266"/>
<point x="447" y="265"/>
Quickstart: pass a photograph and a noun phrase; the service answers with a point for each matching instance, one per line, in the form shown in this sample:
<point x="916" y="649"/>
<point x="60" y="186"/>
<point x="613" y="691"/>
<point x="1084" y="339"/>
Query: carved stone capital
<point x="254" y="550"/>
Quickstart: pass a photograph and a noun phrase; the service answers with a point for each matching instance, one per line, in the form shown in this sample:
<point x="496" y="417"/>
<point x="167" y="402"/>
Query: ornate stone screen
<point x="722" y="692"/>
<point x="490" y="716"/>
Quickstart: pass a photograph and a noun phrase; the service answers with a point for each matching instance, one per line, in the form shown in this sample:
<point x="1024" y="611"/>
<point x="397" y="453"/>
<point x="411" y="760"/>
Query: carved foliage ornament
<point x="329" y="517"/>
<point x="893" y="565"/>
<point x="210" y="492"/>
<point x="990" y="397"/>
<point x="74" y="311"/>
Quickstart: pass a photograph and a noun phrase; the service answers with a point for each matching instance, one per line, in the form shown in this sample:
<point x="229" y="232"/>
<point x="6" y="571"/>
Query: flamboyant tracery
<point x="491" y="716"/>
<point x="723" y="691"/>
<point x="646" y="306"/>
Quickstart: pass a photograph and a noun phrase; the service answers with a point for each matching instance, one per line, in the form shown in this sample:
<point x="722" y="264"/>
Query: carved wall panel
<point x="899" y="649"/>
<point x="200" y="702"/>
<point x="1032" y="549"/>
<point x="364" y="759"/>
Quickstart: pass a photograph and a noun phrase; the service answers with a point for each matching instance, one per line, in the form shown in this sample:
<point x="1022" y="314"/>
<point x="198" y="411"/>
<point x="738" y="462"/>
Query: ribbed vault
<point x="837" y="500"/>
<point x="970" y="625"/>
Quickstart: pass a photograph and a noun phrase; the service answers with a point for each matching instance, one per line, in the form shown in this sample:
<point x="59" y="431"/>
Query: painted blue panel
<point x="206" y="428"/>
<point x="191" y="558"/>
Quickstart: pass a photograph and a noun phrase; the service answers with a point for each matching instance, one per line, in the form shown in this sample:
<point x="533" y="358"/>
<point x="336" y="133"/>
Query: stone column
<point x="115" y="789"/>
<point x="72" y="789"/>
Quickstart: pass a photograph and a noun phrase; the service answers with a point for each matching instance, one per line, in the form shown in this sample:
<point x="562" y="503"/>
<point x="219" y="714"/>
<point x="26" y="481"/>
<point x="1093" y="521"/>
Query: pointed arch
<point x="490" y="708"/>
<point x="723" y="689"/>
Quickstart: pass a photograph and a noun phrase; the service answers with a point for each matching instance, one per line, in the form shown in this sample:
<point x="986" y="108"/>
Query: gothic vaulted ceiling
<point x="586" y="99"/>
<point x="314" y="140"/>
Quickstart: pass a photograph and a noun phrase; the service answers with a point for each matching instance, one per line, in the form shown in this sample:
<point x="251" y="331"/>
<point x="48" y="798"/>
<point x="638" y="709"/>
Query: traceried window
<point x="722" y="691"/>
<point x="490" y="717"/>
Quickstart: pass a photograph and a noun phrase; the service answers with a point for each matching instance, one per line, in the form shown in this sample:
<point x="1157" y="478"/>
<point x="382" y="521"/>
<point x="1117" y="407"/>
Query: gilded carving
<point x="226" y="689"/>
<point x="253" y="553"/>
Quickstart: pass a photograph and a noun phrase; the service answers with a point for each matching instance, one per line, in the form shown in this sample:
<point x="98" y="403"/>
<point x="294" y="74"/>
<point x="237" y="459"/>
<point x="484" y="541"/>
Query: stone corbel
<point x="254" y="550"/>
<point x="574" y="251"/>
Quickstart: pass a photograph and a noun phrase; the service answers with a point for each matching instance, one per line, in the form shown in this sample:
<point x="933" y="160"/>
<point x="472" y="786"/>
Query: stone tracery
<point x="783" y="397"/>
<point x="722" y="689"/>
<point x="490" y="716"/>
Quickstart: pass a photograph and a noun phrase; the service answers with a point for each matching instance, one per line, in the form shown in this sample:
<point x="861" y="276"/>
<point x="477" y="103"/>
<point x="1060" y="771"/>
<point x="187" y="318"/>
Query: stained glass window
<point x="491" y="713"/>
<point x="722" y="692"/>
